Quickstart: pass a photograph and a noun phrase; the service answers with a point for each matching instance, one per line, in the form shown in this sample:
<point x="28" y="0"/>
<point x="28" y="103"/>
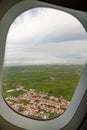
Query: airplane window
<point x="44" y="59"/>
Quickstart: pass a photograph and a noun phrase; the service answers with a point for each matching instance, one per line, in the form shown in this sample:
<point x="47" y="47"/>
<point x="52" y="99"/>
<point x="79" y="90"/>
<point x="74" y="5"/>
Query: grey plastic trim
<point x="65" y="121"/>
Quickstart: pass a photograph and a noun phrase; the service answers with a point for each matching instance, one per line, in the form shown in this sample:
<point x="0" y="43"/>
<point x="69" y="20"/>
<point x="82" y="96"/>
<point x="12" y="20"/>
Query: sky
<point x="45" y="36"/>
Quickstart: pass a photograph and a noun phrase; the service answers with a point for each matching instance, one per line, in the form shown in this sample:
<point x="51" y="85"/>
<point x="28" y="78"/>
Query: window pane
<point x="46" y="51"/>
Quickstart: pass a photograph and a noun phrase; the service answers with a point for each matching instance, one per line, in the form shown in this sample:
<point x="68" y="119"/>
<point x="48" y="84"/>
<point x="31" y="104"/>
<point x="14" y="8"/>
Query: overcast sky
<point x="46" y="36"/>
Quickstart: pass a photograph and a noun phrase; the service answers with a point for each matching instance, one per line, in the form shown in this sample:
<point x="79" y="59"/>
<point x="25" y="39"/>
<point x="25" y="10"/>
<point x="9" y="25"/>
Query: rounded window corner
<point x="60" y="122"/>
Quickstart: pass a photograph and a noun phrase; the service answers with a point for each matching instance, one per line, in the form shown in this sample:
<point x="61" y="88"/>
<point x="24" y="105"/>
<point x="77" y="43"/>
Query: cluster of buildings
<point x="38" y="105"/>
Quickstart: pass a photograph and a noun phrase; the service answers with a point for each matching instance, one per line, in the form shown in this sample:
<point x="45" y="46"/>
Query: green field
<point x="59" y="80"/>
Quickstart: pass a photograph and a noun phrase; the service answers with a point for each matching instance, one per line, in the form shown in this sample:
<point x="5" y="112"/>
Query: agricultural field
<point x="55" y="79"/>
<point x="40" y="92"/>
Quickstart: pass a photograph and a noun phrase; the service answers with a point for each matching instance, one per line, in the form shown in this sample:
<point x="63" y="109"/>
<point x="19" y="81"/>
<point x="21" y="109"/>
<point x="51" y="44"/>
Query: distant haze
<point x="46" y="36"/>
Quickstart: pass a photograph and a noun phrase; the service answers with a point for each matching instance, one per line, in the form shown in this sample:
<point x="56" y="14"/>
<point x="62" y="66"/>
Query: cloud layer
<point x="46" y="36"/>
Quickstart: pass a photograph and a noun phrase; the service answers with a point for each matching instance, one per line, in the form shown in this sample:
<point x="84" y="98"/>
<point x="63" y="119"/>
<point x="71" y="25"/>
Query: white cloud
<point x="45" y="23"/>
<point x="46" y="36"/>
<point x="74" y="52"/>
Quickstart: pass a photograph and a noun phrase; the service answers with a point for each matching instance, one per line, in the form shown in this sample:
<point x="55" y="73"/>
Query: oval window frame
<point x="79" y="94"/>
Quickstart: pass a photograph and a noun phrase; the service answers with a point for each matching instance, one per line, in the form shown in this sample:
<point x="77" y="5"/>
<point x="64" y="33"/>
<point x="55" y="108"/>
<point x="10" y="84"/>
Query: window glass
<point x="46" y="50"/>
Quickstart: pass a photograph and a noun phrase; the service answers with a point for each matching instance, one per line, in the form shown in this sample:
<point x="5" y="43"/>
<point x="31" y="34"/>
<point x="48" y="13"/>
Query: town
<point x="37" y="105"/>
